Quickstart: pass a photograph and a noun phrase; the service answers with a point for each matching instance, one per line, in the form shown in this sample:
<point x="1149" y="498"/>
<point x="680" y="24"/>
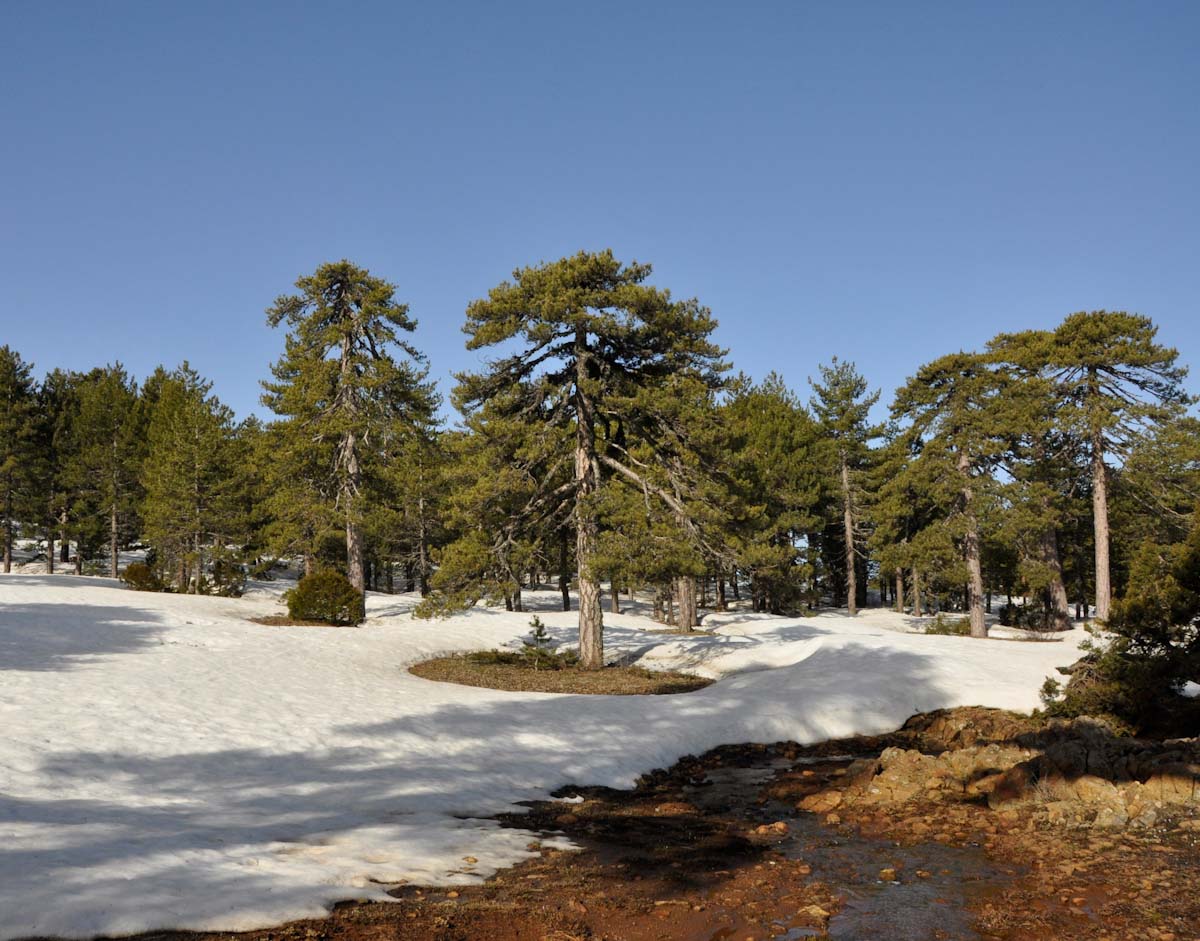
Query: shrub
<point x="140" y="577"/>
<point x="957" y="627"/>
<point x="325" y="596"/>
<point x="1135" y="669"/>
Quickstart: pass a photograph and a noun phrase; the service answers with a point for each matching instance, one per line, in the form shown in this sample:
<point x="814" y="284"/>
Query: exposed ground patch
<point x="523" y="677"/>
<point x="717" y="848"/>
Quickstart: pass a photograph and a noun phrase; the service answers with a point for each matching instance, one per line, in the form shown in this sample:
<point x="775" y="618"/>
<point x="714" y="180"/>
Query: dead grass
<point x="611" y="681"/>
<point x="282" y="620"/>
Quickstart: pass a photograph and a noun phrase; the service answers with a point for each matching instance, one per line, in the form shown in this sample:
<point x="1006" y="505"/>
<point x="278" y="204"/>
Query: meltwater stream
<point x="911" y="907"/>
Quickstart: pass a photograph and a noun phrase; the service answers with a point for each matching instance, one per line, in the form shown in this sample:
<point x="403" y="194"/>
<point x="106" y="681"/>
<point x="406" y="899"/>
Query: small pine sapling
<point x="536" y="648"/>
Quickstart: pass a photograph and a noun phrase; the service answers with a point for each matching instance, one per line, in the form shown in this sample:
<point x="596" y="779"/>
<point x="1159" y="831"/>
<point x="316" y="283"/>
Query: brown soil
<point x="715" y="849"/>
<point x="612" y="681"/>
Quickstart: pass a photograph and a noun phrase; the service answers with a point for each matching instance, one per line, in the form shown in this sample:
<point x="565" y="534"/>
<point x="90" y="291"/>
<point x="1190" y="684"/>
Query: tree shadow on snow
<point x="42" y="637"/>
<point x="189" y="820"/>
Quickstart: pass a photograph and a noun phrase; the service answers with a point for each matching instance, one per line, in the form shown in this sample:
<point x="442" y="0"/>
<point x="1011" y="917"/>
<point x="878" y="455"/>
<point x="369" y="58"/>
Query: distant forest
<point x="608" y="446"/>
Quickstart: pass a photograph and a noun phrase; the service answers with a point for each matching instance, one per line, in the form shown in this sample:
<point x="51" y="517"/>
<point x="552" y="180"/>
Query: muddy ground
<point x="715" y="849"/>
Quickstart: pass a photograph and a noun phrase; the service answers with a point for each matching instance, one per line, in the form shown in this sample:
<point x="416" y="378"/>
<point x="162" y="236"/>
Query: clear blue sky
<point x="882" y="181"/>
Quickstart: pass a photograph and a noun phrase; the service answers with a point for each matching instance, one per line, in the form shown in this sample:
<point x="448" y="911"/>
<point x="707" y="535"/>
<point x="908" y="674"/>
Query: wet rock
<point x="820" y="803"/>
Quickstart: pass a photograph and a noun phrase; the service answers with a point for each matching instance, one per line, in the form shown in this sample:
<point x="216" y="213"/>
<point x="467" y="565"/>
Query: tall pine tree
<point x="344" y="378"/>
<point x="842" y="406"/>
<point x="18" y="442"/>
<point x="187" y="477"/>
<point x="594" y="347"/>
<point x="103" y="470"/>
<point x="1113" y="379"/>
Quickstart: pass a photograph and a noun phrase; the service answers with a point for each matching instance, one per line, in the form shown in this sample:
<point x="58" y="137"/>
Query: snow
<point x="166" y="763"/>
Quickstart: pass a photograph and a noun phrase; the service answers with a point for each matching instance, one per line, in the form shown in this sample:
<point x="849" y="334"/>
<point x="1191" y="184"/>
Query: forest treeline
<point x="607" y="444"/>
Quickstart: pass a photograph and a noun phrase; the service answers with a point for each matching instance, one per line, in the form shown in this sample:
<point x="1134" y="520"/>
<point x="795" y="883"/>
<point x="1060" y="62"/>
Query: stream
<point x="927" y="898"/>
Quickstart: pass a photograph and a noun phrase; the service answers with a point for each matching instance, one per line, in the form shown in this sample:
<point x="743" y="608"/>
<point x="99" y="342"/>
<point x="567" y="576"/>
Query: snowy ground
<point x="165" y="763"/>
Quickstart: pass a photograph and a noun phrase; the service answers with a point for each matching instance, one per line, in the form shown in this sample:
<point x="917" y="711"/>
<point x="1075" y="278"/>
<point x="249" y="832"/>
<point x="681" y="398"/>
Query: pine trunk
<point x="685" y="593"/>
<point x="615" y="598"/>
<point x="8" y="528"/>
<point x="918" y="607"/>
<point x="591" y="620"/>
<point x="721" y="603"/>
<point x="564" y="575"/>
<point x="971" y="551"/>
<point x="112" y="538"/>
<point x="423" y="551"/>
<point x="49" y="551"/>
<point x="899" y="591"/>
<point x="1060" y="606"/>
<point x="351" y="479"/>
<point x="351" y="474"/>
<point x="1100" y="523"/>
<point x="198" y="552"/>
<point x="848" y="526"/>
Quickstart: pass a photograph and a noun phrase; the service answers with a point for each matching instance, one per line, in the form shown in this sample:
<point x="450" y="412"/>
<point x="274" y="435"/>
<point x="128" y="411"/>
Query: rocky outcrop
<point x="1077" y="773"/>
<point x="949" y="729"/>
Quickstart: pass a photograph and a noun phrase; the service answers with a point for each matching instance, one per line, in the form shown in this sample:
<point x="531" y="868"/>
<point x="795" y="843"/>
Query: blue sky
<point x="881" y="181"/>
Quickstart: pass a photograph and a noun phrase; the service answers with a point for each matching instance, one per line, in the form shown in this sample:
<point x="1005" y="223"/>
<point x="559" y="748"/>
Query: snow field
<point x="165" y="763"/>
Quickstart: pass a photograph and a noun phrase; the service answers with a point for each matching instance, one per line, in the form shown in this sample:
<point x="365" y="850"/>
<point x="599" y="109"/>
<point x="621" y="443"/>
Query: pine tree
<point x="595" y="349"/>
<point x="774" y="452"/>
<point x="955" y="405"/>
<point x="842" y="406"/>
<point x="59" y="403"/>
<point x="408" y="524"/>
<point x="339" y="385"/>
<point x="1157" y="489"/>
<point x="1042" y="461"/>
<point x="187" y="476"/>
<point x="18" y="442"/>
<point x="495" y="510"/>
<point x="1113" y="379"/>
<point x="103" y="470"/>
<point x="916" y="518"/>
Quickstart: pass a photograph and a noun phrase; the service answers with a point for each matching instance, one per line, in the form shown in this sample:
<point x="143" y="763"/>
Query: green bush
<point x="1134" y="670"/>
<point x="956" y="627"/>
<point x="325" y="596"/>
<point x="140" y="577"/>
